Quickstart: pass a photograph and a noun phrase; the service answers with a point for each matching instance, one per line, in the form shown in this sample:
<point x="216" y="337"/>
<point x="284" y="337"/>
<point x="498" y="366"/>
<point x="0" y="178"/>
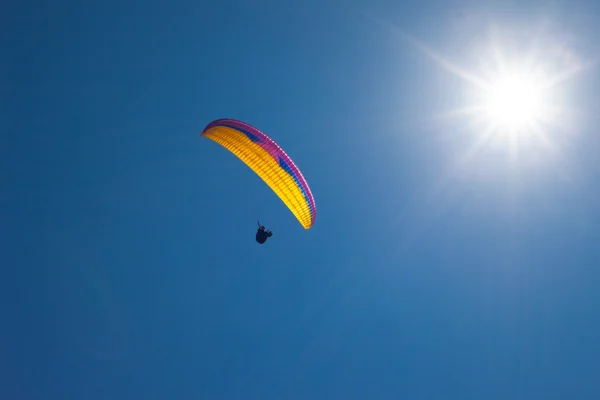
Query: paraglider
<point x="262" y="235"/>
<point x="261" y="154"/>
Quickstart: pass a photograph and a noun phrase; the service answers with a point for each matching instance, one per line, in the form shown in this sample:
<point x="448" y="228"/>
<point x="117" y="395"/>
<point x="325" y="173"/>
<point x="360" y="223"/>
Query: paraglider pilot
<point x="262" y="235"/>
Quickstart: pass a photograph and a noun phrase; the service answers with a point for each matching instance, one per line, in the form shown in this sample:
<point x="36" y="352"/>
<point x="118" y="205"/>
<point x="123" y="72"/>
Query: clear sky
<point x="456" y="251"/>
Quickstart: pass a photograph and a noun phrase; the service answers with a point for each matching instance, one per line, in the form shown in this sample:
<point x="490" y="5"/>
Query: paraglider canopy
<point x="269" y="162"/>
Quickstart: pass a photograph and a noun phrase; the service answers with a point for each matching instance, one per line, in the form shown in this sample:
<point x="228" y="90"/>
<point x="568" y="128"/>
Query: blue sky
<point x="441" y="265"/>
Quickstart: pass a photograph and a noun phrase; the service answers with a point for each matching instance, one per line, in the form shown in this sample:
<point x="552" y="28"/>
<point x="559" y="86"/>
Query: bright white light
<point x="515" y="101"/>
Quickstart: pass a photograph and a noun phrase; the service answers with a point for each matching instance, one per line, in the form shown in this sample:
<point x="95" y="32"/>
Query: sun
<point x="515" y="101"/>
<point x="508" y="97"/>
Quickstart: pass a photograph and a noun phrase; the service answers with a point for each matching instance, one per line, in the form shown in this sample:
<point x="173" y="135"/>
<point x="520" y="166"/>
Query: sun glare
<point x="515" y="101"/>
